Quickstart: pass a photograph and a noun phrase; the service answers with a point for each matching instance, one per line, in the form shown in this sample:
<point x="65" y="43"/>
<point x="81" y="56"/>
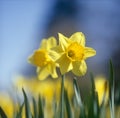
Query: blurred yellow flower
<point x="101" y="86"/>
<point x="45" y="64"/>
<point x="49" y="89"/>
<point x="6" y="103"/>
<point x="71" y="53"/>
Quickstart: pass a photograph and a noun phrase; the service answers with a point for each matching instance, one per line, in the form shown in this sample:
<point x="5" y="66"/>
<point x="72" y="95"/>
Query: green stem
<point x="62" y="97"/>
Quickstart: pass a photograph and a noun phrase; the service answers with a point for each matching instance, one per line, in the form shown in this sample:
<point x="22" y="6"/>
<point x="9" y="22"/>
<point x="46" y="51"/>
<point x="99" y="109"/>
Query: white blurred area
<point x="25" y="22"/>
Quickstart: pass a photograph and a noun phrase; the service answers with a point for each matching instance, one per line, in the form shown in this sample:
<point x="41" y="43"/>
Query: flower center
<point x="75" y="52"/>
<point x="41" y="58"/>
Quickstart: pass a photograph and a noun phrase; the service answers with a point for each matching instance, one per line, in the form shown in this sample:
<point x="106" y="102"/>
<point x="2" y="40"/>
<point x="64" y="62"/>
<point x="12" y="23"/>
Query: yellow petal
<point x="78" y="37"/>
<point x="48" y="43"/>
<point x="52" y="70"/>
<point x="51" y="42"/>
<point x="43" y="44"/>
<point x="65" y="64"/>
<point x="63" y="41"/>
<point x="89" y="52"/>
<point x="102" y="88"/>
<point x="79" y="68"/>
<point x="54" y="54"/>
<point x="30" y="59"/>
<point x="57" y="49"/>
<point x="43" y="73"/>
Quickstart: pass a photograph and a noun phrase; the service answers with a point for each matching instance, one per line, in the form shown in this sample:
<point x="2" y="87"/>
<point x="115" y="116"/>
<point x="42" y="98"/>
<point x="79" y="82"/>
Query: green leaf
<point x="2" y="113"/>
<point x="111" y="90"/>
<point x="35" y="109"/>
<point x="77" y="92"/>
<point x="93" y="106"/>
<point x="96" y="106"/>
<point x="27" y="106"/>
<point x="19" y="114"/>
<point x="62" y="98"/>
<point x="93" y="86"/>
<point x="68" y="106"/>
<point x="79" y="100"/>
<point x="40" y="108"/>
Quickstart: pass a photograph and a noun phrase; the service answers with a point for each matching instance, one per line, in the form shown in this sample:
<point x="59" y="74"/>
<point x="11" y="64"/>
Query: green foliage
<point x="40" y="108"/>
<point x="69" y="108"/>
<point x="35" y="108"/>
<point x="79" y="100"/>
<point x="2" y="113"/>
<point x="27" y="106"/>
<point x="93" y="107"/>
<point x="111" y="90"/>
<point x="19" y="113"/>
<point x="62" y="98"/>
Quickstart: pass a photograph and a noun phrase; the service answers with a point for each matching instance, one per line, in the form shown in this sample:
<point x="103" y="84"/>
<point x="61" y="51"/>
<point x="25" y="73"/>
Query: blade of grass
<point x="111" y="90"/>
<point x="2" y="113"/>
<point x="79" y="100"/>
<point x="27" y="106"/>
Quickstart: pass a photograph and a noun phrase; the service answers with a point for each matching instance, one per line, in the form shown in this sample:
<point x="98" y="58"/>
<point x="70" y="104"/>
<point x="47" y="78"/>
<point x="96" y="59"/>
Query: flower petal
<point x="30" y="59"/>
<point x="65" y="64"/>
<point x="57" y="49"/>
<point x="63" y="41"/>
<point x="79" y="68"/>
<point x="89" y="52"/>
<point x="53" y="55"/>
<point x="48" y="43"/>
<point x="43" y="73"/>
<point x="52" y="70"/>
<point x="51" y="43"/>
<point x="43" y="44"/>
<point x="78" y="37"/>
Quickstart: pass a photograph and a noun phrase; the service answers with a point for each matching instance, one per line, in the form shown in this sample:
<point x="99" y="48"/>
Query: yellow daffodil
<point x="71" y="53"/>
<point x="101" y="86"/>
<point x="45" y="64"/>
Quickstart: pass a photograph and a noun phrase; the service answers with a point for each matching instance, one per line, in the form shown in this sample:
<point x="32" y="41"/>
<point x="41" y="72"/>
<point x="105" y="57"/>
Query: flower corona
<point x="45" y="64"/>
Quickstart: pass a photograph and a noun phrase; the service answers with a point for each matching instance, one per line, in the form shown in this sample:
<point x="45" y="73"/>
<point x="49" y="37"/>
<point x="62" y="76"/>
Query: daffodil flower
<point x="45" y="64"/>
<point x="71" y="54"/>
<point x="102" y="88"/>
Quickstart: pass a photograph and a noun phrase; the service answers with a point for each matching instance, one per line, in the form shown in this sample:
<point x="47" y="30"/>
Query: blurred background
<point x="24" y="23"/>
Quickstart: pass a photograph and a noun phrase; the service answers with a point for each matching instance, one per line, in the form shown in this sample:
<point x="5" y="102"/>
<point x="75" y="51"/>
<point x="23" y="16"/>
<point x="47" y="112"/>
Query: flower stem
<point x="62" y="97"/>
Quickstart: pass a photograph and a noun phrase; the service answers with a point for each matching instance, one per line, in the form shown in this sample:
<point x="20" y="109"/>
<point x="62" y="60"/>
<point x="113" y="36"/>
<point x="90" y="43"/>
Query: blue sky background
<point x="21" y="21"/>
